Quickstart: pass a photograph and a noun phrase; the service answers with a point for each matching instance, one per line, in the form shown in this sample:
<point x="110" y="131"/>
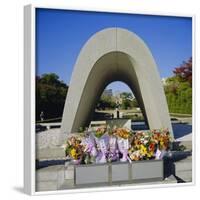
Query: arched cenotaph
<point x="114" y="54"/>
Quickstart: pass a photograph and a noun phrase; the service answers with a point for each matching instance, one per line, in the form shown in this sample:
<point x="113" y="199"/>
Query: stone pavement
<point x="49" y="178"/>
<point x="47" y="145"/>
<point x="183" y="171"/>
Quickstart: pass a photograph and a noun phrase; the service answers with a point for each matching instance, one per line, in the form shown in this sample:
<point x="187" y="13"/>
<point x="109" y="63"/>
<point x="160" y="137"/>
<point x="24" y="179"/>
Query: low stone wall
<point x="114" y="173"/>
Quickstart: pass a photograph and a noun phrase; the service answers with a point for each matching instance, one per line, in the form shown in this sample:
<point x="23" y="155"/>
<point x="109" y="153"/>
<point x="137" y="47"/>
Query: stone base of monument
<point x="63" y="177"/>
<point x="116" y="173"/>
<point x="125" y="123"/>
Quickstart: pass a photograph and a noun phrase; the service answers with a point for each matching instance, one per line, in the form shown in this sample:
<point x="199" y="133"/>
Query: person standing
<point x="42" y="116"/>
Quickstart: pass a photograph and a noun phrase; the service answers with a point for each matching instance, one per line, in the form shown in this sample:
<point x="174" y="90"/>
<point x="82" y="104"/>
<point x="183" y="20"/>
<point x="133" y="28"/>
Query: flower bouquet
<point x="162" y="139"/>
<point x="143" y="146"/>
<point x="113" y="153"/>
<point x="74" y="149"/>
<point x="109" y="145"/>
<point x="123" y="135"/>
<point x="89" y="149"/>
<point x="149" y="145"/>
<point x="102" y="140"/>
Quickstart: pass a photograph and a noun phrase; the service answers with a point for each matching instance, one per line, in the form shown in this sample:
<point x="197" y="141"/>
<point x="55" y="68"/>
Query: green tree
<point x="178" y="89"/>
<point x="184" y="71"/>
<point x="126" y="95"/>
<point x="135" y="103"/>
<point x="126" y="104"/>
<point x="106" y="102"/>
<point x="50" y="96"/>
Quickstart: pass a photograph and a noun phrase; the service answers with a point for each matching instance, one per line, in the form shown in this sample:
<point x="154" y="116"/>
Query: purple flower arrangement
<point x="118" y="144"/>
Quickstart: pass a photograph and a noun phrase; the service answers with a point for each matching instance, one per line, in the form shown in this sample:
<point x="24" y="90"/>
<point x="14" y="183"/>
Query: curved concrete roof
<point x="114" y="54"/>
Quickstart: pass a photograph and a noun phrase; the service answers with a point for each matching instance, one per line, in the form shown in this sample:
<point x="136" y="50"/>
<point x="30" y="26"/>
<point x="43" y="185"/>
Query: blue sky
<point x="60" y="35"/>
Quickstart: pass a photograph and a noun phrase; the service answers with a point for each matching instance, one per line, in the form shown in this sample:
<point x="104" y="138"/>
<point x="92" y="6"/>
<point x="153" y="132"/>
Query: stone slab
<point x="49" y="178"/>
<point x="50" y="153"/>
<point x="46" y="186"/>
<point x="120" y="172"/>
<point x="185" y="176"/>
<point x="91" y="174"/>
<point x="47" y="174"/>
<point x="142" y="170"/>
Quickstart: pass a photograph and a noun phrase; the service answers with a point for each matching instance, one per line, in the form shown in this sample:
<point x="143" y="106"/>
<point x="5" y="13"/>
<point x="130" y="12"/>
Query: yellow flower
<point x="150" y="154"/>
<point x="123" y="133"/>
<point x="73" y="153"/>
<point x="143" y="150"/>
<point x="161" y="143"/>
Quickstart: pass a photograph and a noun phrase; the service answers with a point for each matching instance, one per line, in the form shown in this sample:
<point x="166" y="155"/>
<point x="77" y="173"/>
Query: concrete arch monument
<point x="114" y="54"/>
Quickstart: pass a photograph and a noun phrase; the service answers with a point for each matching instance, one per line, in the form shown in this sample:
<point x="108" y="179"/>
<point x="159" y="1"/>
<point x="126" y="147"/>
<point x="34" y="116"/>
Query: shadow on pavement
<point x="169" y="164"/>
<point x="181" y="130"/>
<point x="47" y="163"/>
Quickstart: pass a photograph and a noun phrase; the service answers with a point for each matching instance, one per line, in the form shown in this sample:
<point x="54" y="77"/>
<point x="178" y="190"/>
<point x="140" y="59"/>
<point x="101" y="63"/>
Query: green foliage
<point x="109" y="102"/>
<point x="128" y="102"/>
<point x="106" y="102"/>
<point x="126" y="95"/>
<point x="135" y="103"/>
<point x="50" y="96"/>
<point x="184" y="71"/>
<point x="178" y="90"/>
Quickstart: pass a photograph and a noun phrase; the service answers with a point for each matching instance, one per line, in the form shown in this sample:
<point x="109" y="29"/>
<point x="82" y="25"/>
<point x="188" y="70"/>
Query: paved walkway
<point x="187" y="137"/>
<point x="48" y="145"/>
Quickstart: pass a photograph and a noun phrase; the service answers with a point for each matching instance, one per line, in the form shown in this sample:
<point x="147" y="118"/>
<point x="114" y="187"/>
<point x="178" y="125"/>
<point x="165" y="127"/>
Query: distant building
<point x="108" y="92"/>
<point x="117" y="97"/>
<point x="117" y="94"/>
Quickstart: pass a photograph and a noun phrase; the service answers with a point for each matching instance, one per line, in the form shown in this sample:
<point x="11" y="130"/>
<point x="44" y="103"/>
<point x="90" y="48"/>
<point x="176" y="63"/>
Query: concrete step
<point x="49" y="173"/>
<point x="68" y="171"/>
<point x="169" y="180"/>
<point x="59" y="177"/>
<point x="185" y="176"/>
<point x="46" y="186"/>
<point x="50" y="153"/>
<point x="69" y="184"/>
<point x="49" y="178"/>
<point x="69" y="179"/>
<point x="184" y="165"/>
